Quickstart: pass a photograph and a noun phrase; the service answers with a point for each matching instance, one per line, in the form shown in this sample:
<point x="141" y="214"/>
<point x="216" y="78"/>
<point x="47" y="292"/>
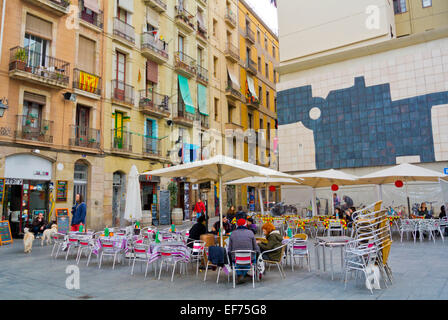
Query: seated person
<point x="274" y="241"/>
<point x="39" y="224"/>
<point x="225" y="224"/>
<point x="423" y="211"/>
<point x="241" y="214"/>
<point x="349" y="216"/>
<point x="251" y="225"/>
<point x="197" y="230"/>
<point x="242" y="239"/>
<point x="338" y="213"/>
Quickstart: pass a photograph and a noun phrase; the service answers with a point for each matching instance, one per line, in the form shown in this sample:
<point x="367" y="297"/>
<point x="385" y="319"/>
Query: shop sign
<point x="41" y="173"/>
<point x="445" y="171"/>
<point x="14" y="181"/>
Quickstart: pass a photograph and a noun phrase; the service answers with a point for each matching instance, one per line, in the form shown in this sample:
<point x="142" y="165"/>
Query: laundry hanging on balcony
<point x="202" y="99"/>
<point x="186" y="95"/>
<point x="251" y="88"/>
<point x="92" y="5"/>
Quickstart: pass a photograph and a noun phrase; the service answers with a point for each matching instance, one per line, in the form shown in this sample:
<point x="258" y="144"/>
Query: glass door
<point x="118" y="130"/>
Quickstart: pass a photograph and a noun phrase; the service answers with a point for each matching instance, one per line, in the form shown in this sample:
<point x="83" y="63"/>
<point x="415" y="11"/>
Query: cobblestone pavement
<point x="419" y="273"/>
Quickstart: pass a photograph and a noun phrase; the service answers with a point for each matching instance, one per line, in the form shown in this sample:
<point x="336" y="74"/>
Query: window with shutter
<point x="86" y="55"/>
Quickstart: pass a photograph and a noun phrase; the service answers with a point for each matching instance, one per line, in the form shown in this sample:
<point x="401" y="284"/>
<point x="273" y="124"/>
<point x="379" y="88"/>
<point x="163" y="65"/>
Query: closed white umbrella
<point x="326" y="178"/>
<point x="219" y="168"/>
<point x="405" y="172"/>
<point x="263" y="181"/>
<point x="133" y="208"/>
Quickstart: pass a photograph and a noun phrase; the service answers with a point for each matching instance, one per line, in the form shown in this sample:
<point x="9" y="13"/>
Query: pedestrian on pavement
<point x="199" y="210"/>
<point x="78" y="213"/>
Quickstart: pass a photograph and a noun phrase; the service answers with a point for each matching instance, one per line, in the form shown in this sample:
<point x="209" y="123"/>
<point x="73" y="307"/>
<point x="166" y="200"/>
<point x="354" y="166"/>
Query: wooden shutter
<point x="38" y="27"/>
<point x="86" y="55"/>
<point x="152" y="70"/>
<point x="32" y="97"/>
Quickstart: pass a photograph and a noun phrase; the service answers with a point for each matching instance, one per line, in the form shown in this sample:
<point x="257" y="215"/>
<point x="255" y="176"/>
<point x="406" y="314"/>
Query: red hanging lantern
<point x="334" y="187"/>
<point x="399" y="183"/>
<point x="272" y="188"/>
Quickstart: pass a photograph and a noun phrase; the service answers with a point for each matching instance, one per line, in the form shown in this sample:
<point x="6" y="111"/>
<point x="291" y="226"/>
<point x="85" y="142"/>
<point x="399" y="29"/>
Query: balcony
<point x="154" y="49"/>
<point x="121" y="141"/>
<point x="231" y="52"/>
<point x="232" y="126"/>
<point x="201" y="33"/>
<point x="157" y="5"/>
<point x="31" y="66"/>
<point x="31" y="127"/>
<point x="204" y="120"/>
<point x="232" y="92"/>
<point x="251" y="67"/>
<point x="152" y="147"/>
<point x="184" y="64"/>
<point x="84" y="137"/>
<point x="202" y="75"/>
<point x="86" y="82"/>
<point x="252" y="102"/>
<point x="122" y="93"/>
<point x="184" y="19"/>
<point x="230" y="18"/>
<point x="124" y="31"/>
<point x="250" y="35"/>
<point x="182" y="117"/>
<point x="94" y="19"/>
<point x="154" y="104"/>
<point x="58" y="7"/>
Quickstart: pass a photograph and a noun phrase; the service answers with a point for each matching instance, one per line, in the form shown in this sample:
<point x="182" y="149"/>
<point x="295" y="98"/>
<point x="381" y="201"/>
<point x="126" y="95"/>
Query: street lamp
<point x="3" y="106"/>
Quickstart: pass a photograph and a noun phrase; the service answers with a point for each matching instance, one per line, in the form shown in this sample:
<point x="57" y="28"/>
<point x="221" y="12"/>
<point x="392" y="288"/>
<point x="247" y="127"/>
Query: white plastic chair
<point x="298" y="248"/>
<point x="59" y="240"/>
<point x="108" y="249"/>
<point x="335" y="226"/>
<point x="197" y="253"/>
<point x="243" y="258"/>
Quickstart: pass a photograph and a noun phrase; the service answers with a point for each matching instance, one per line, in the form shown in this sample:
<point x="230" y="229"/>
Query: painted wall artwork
<point x="362" y="126"/>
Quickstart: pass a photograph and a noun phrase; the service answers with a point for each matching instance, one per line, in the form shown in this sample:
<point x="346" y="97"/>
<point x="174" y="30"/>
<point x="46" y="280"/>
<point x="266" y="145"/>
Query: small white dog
<point x="48" y="234"/>
<point x="28" y="239"/>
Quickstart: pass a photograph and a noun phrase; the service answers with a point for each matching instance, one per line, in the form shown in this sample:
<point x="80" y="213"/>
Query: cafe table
<point x="330" y="243"/>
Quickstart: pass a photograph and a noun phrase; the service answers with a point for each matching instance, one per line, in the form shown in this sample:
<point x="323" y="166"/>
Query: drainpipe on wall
<point x="2" y="27"/>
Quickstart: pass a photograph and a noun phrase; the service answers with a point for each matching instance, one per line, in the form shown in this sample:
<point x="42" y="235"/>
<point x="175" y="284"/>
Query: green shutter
<point x="186" y="95"/>
<point x="202" y="99"/>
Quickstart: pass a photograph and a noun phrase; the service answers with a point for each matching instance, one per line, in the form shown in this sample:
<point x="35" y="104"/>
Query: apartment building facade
<point x="368" y="90"/>
<point x="51" y="142"/>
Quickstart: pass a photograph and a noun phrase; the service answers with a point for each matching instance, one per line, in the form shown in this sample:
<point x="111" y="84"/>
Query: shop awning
<point x="234" y="79"/>
<point x="250" y="85"/>
<point x="127" y="5"/>
<point x="92" y="5"/>
<point x="202" y="100"/>
<point x="186" y="95"/>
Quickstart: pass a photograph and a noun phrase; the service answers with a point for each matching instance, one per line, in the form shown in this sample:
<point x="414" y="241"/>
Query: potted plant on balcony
<point x="21" y="58"/>
<point x="176" y="213"/>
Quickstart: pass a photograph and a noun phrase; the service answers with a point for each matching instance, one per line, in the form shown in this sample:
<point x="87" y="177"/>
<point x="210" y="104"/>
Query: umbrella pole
<point x="260" y="200"/>
<point x="313" y="202"/>
<point x="407" y="196"/>
<point x="379" y="190"/>
<point x="267" y="197"/>
<point x="220" y="204"/>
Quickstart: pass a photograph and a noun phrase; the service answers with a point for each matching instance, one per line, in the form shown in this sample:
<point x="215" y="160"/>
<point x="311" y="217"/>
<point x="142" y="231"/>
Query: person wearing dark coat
<point x="225" y="224"/>
<point x="79" y="213"/>
<point x="274" y="240"/>
<point x="241" y="214"/>
<point x="196" y="231"/>
<point x="39" y="224"/>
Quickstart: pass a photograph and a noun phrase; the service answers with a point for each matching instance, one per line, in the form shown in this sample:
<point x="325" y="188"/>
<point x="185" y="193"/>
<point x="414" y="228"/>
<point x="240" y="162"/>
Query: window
<point x="267" y="69"/>
<point x="399" y="6"/>
<point x="275" y="104"/>
<point x="180" y="43"/>
<point x="426" y="3"/>
<point x="266" y="43"/>
<point x="38" y="35"/>
<point x="215" y="27"/>
<point x="268" y="131"/>
<point x="121" y="67"/>
<point x="261" y="124"/>
<point x="230" y="113"/>
<point x="259" y="36"/>
<point x="200" y="56"/>
<point x="250" y="121"/>
<point x="267" y="99"/>
<point x="122" y="15"/>
<point x="216" y="109"/>
<point x="248" y="54"/>
<point x="215" y="66"/>
<point x="260" y="93"/>
<point x="86" y="55"/>
<point x="275" y="76"/>
<point x="259" y="64"/>
<point x="80" y="180"/>
<point x="273" y="51"/>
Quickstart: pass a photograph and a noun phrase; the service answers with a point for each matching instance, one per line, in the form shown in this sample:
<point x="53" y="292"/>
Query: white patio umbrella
<point x="219" y="168"/>
<point x="133" y="207"/>
<point x="405" y="172"/>
<point x="263" y="181"/>
<point x="326" y="178"/>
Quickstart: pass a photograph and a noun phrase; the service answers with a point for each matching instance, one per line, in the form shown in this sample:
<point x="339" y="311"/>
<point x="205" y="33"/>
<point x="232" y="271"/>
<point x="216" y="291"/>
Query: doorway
<point x="118" y="199"/>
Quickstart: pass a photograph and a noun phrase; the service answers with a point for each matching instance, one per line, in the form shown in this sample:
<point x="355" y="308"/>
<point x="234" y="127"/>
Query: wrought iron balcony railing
<point x="202" y="74"/>
<point x="43" y="66"/>
<point x="153" y="101"/>
<point x="156" y="45"/>
<point x="93" y="18"/>
<point x="85" y="137"/>
<point x="184" y="62"/>
<point x="124" y="30"/>
<point x="31" y="127"/>
<point x="122" y="92"/>
<point x="121" y="140"/>
<point x="152" y="146"/>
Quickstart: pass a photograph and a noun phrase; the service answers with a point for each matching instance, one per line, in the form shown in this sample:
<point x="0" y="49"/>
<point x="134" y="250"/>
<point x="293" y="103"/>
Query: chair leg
<point x="161" y="265"/>
<point x="68" y="250"/>
<point x="219" y="272"/>
<point x="206" y="269"/>
<point x="133" y="264"/>
<point x="101" y="260"/>
<point x="233" y="277"/>
<point x="147" y="265"/>
<point x="174" y="268"/>
<point x="113" y="263"/>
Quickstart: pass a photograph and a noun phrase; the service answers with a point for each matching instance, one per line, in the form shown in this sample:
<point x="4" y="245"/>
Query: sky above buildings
<point x="266" y="11"/>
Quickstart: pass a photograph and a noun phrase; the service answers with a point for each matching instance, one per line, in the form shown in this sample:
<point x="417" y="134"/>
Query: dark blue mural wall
<point x="361" y="126"/>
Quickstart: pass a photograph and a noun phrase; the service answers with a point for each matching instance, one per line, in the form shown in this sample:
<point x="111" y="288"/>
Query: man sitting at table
<point x="197" y="230"/>
<point x="225" y="224"/>
<point x="242" y="239"/>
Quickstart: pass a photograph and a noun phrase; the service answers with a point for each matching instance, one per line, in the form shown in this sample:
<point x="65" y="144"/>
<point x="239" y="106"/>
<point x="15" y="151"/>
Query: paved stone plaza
<point x="419" y="270"/>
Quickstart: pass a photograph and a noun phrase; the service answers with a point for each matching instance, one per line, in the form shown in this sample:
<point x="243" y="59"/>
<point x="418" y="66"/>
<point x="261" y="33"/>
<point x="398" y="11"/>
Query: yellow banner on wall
<point x="88" y="82"/>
